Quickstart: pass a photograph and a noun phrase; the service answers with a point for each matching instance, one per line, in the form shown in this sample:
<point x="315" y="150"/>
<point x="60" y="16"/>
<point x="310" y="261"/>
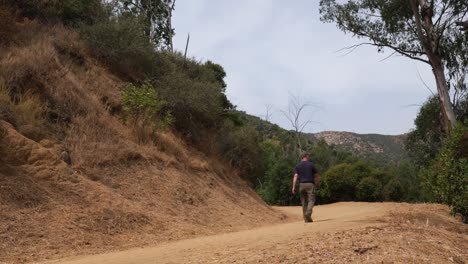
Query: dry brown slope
<point x="116" y="193"/>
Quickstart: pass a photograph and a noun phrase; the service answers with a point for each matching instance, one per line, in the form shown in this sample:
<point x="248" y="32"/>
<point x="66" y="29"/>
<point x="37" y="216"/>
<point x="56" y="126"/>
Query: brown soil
<point x="341" y="233"/>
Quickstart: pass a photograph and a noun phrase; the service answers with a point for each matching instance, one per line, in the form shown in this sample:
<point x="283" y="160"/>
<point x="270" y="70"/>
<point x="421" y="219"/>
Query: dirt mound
<point x="27" y="156"/>
<point x="87" y="186"/>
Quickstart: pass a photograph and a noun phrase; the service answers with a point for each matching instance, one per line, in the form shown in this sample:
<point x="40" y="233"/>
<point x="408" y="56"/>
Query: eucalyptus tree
<point x="427" y="31"/>
<point x="157" y="15"/>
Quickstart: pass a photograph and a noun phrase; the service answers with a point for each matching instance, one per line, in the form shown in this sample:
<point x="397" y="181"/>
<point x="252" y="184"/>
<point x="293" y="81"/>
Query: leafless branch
<point x="424" y="83"/>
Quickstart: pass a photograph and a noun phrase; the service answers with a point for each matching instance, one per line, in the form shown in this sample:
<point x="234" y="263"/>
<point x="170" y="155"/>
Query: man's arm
<point x="294" y="183"/>
<point x="317" y="180"/>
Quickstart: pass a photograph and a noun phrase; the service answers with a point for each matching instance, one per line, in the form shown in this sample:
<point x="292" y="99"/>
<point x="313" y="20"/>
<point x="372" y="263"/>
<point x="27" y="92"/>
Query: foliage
<point x="145" y="109"/>
<point x="369" y="190"/>
<point x="425" y="141"/>
<point x="240" y="147"/>
<point x="340" y="182"/>
<point x="156" y="15"/>
<point x="447" y="177"/>
<point x="120" y="42"/>
<point x="393" y="191"/>
<point x="276" y="182"/>
<point x="69" y="12"/>
<point x="423" y="32"/>
<point x="195" y="95"/>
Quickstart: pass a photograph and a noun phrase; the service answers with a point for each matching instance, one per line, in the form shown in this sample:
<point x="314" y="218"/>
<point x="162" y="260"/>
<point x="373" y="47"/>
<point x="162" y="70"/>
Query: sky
<point x="273" y="49"/>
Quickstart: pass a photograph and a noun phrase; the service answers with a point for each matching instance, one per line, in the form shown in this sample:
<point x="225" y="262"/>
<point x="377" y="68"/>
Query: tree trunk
<point x="299" y="145"/>
<point x="444" y="97"/>
<point x="169" y="25"/>
<point x="428" y="37"/>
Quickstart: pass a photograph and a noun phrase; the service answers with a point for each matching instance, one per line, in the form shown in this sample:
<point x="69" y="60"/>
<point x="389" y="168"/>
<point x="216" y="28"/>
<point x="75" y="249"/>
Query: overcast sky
<point x="270" y="49"/>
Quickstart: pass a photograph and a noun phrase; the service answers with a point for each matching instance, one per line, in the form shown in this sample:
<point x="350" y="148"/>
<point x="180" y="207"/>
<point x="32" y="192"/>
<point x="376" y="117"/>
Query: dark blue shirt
<point x="306" y="171"/>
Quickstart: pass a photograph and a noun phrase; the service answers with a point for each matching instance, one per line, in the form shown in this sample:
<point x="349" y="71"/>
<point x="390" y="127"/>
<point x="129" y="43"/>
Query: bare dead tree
<point x="269" y="111"/>
<point x="295" y="115"/>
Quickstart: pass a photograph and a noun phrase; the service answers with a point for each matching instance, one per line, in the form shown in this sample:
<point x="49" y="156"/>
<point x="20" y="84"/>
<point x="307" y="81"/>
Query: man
<point x="309" y="178"/>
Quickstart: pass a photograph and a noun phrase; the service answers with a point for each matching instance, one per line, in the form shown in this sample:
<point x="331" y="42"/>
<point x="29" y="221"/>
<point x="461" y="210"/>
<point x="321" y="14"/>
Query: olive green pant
<point x="306" y="192"/>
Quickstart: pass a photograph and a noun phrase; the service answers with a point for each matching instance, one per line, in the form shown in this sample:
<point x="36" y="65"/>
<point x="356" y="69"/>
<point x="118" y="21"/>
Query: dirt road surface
<point x="251" y="246"/>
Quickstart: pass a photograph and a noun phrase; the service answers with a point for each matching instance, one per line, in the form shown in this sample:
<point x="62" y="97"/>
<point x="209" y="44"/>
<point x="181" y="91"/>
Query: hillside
<point x="380" y="149"/>
<point x="74" y="178"/>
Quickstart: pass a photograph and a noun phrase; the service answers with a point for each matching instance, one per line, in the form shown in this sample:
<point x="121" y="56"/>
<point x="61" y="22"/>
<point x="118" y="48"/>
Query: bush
<point x="121" y="43"/>
<point x="340" y="181"/>
<point x="145" y="109"/>
<point x="394" y="191"/>
<point x="425" y="141"/>
<point x="240" y="147"/>
<point x="448" y="175"/>
<point x="369" y="190"/>
<point x="68" y="12"/>
<point x="196" y="100"/>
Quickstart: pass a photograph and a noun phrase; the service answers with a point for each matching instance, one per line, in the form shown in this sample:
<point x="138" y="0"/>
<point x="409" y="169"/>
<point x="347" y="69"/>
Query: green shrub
<point x="240" y="147"/>
<point x="145" y="109"/>
<point x="448" y="175"/>
<point x="121" y="43"/>
<point x="340" y="181"/>
<point x="68" y="12"/>
<point x="425" y="141"/>
<point x="369" y="190"/>
<point x="394" y="191"/>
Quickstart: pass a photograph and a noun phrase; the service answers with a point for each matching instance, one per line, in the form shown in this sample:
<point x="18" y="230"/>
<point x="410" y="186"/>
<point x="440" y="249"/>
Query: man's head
<point x="305" y="156"/>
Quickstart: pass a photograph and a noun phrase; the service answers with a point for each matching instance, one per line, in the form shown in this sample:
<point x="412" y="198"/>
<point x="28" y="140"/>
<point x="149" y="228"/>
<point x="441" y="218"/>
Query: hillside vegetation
<point x="374" y="148"/>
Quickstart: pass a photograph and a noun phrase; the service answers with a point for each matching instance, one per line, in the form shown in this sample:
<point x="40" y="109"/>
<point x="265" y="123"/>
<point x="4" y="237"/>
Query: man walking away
<point x="309" y="178"/>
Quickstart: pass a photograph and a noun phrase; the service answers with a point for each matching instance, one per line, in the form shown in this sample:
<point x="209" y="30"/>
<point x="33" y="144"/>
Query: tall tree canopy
<point x="423" y="30"/>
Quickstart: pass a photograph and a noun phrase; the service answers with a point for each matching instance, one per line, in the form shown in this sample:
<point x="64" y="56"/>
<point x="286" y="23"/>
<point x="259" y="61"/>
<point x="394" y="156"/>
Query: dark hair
<point x="304" y="155"/>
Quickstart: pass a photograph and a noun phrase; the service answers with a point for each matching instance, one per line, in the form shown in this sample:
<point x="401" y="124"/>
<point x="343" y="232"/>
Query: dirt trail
<point x="250" y="245"/>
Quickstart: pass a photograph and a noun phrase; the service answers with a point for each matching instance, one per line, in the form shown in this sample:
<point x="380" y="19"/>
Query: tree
<point x="294" y="114"/>
<point x="425" y="141"/>
<point x="422" y="30"/>
<point x="69" y="12"/>
<point x="369" y="190"/>
<point x="447" y="177"/>
<point x="394" y="191"/>
<point x="158" y="19"/>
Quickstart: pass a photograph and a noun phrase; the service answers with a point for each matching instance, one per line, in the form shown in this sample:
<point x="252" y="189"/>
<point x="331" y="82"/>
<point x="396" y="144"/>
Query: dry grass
<point x="25" y="112"/>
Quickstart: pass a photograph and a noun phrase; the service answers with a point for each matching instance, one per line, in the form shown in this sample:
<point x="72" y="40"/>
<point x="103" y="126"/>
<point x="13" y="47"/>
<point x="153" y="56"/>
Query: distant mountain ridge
<point x="376" y="148"/>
